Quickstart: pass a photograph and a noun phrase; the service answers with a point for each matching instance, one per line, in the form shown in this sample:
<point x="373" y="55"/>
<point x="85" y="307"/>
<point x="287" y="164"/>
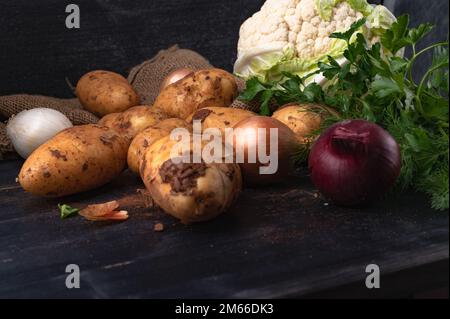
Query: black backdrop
<point x="37" y="52"/>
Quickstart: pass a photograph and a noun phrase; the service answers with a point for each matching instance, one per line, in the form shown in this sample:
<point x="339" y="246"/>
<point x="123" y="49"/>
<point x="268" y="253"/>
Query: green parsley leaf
<point x="417" y="34"/>
<point x="67" y="211"/>
<point x="266" y="96"/>
<point x="397" y="37"/>
<point x="349" y="33"/>
<point x="384" y="87"/>
<point x="253" y="88"/>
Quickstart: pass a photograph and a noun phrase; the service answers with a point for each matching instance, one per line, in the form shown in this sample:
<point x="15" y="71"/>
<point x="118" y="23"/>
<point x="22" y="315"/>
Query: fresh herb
<point x="376" y="84"/>
<point x="67" y="211"/>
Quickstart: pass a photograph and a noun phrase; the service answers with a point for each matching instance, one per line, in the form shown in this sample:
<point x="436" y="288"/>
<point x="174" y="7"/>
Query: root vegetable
<point x="78" y="159"/>
<point x="147" y="137"/>
<point x="31" y="128"/>
<point x="219" y="117"/>
<point x="355" y="162"/>
<point x="191" y="192"/>
<point x="198" y="90"/>
<point x="302" y="119"/>
<point x="272" y="159"/>
<point x="104" y="92"/>
<point x="134" y="120"/>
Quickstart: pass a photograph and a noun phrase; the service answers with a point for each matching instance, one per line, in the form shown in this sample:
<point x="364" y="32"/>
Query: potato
<point x="146" y="138"/>
<point x="134" y="120"/>
<point x="78" y="159"/>
<point x="104" y="92"/>
<point x="302" y="119"/>
<point x="201" y="89"/>
<point x="110" y="120"/>
<point x="219" y="117"/>
<point x="191" y="192"/>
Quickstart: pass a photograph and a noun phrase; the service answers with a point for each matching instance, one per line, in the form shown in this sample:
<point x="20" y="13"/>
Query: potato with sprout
<point x="191" y="192"/>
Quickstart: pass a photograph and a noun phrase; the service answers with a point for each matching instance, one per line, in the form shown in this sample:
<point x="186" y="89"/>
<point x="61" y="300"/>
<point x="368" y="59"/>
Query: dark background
<point x="282" y="241"/>
<point x="38" y="52"/>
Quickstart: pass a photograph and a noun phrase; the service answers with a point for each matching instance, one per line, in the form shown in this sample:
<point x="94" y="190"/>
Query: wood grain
<point x="276" y="242"/>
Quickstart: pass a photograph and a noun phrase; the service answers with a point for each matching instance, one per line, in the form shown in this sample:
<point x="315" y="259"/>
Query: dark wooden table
<point x="278" y="242"/>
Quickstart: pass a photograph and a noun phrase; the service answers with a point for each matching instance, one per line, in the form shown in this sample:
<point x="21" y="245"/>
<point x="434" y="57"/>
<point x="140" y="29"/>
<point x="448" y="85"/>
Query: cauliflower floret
<point x="295" y="22"/>
<point x="265" y="26"/>
<point x="298" y="31"/>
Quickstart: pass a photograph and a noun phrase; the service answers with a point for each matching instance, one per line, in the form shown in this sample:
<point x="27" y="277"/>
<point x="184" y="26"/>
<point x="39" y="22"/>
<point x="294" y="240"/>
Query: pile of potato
<point x="85" y="157"/>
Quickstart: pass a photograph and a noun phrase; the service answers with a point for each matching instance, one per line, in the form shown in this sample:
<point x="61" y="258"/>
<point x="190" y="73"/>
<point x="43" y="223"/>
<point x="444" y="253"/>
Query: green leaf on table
<point x="67" y="211"/>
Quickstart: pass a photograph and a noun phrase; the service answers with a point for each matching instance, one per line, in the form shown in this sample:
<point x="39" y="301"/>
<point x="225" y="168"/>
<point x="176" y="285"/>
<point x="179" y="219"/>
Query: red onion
<point x="246" y="138"/>
<point x="355" y="162"/>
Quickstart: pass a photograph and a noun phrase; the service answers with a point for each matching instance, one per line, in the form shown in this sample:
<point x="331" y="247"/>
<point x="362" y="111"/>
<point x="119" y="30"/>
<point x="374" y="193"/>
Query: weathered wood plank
<point x="281" y="241"/>
<point x="274" y="242"/>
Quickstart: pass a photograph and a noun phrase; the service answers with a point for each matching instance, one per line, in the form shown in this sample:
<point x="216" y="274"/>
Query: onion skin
<point x="354" y="163"/>
<point x="31" y="128"/>
<point x="175" y="76"/>
<point x="287" y="144"/>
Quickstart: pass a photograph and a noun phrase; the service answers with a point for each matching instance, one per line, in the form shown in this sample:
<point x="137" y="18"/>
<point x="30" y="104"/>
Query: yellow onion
<point x="175" y="76"/>
<point x="245" y="137"/>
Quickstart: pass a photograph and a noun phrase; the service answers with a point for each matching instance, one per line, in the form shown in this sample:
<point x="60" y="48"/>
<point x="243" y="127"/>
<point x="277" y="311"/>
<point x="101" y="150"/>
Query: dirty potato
<point x="191" y="192"/>
<point x="302" y="119"/>
<point x="104" y="92"/>
<point x="134" y="120"/>
<point x="219" y="117"/>
<point x="201" y="89"/>
<point x="146" y="138"/>
<point x="78" y="159"/>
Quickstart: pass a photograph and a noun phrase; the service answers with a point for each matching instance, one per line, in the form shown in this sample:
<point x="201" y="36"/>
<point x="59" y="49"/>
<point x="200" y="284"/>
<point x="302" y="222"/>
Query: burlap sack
<point x="145" y="78"/>
<point x="14" y="104"/>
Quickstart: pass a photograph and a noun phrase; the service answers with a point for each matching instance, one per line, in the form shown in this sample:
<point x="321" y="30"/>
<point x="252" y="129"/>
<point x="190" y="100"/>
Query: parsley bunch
<point x="376" y="84"/>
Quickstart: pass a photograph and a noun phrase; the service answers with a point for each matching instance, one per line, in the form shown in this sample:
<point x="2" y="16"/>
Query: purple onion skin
<point x="354" y="163"/>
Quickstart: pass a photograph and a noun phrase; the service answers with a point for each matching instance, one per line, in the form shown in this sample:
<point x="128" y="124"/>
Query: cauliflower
<point x="294" y="35"/>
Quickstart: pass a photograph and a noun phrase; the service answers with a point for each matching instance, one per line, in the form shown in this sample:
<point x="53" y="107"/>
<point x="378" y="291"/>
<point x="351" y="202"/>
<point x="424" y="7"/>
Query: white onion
<point x="30" y="129"/>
